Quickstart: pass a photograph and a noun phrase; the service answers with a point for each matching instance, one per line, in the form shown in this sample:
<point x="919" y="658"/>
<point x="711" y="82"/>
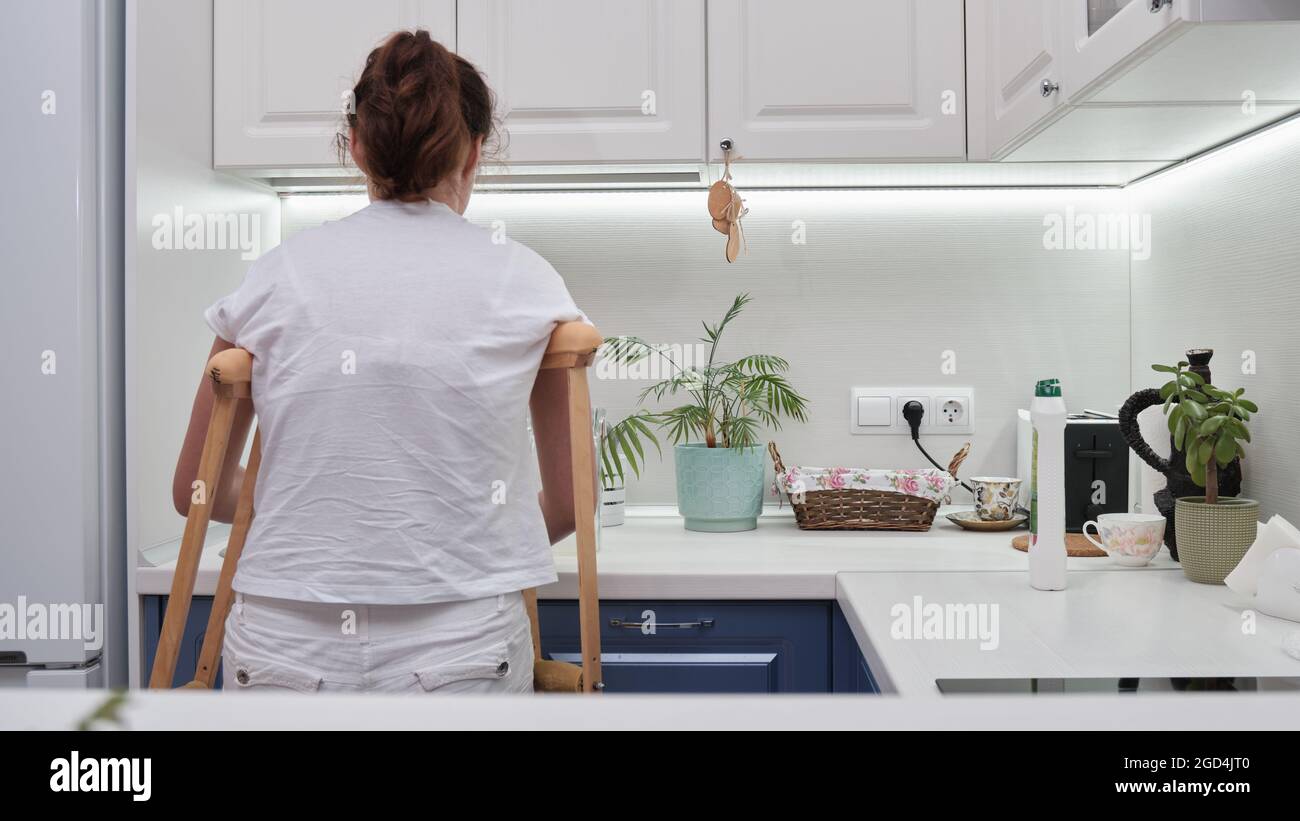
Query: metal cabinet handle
<point x="1155" y="6"/>
<point x="677" y="625"/>
<point x="1049" y="88"/>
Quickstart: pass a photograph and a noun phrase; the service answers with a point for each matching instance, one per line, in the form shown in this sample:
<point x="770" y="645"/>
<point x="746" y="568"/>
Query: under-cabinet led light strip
<point x="1265" y="139"/>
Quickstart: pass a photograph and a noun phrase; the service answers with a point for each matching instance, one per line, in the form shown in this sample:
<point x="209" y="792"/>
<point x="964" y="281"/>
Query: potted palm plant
<point x="719" y="460"/>
<point x="1209" y="426"/>
<point x="620" y="448"/>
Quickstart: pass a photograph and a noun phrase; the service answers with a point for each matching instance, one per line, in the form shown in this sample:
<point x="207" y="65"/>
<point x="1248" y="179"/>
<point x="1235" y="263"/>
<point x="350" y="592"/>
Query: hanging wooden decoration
<point x="727" y="208"/>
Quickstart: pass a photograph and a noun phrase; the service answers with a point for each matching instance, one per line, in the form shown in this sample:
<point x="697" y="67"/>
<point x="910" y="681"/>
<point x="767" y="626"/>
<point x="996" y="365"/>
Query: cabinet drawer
<point x="704" y="646"/>
<point x="685" y="672"/>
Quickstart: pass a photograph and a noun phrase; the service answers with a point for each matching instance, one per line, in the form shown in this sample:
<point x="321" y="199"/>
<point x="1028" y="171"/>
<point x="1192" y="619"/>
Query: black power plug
<point x="914" y="412"/>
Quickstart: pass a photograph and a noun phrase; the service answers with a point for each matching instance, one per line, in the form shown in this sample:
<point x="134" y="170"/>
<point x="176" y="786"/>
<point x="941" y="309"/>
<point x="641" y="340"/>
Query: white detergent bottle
<point x="1047" y="496"/>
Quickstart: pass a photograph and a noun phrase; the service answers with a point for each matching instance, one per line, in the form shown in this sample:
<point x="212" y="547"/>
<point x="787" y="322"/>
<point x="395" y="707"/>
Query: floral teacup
<point x="1131" y="538"/>
<point x="995" y="497"/>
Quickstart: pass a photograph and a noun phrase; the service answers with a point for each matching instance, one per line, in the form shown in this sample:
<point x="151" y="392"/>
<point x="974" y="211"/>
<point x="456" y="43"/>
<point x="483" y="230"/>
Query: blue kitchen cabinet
<point x="849" y="669"/>
<point x="701" y="646"/>
<point x="658" y="646"/>
<point x="191" y="643"/>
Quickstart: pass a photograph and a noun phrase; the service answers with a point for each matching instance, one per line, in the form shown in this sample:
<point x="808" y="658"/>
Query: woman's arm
<point x="187" y="465"/>
<point x="550" y="410"/>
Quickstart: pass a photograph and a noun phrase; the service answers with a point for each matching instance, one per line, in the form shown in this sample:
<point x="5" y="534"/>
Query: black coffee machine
<point x="1096" y="466"/>
<point x="1096" y="469"/>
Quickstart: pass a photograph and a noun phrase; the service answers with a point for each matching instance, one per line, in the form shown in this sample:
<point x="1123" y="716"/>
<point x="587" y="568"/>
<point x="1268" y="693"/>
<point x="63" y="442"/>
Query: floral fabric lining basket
<point x="860" y="499"/>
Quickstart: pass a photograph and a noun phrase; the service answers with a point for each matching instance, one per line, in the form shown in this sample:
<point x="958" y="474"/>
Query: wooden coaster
<point x="1075" y="545"/>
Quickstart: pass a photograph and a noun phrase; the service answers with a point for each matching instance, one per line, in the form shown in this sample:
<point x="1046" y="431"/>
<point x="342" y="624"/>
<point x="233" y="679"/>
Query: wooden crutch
<point x="232" y="377"/>
<point x="572" y="347"/>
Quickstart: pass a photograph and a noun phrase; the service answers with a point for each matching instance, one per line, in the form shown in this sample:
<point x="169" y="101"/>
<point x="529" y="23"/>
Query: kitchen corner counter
<point x="1103" y="625"/>
<point x="1111" y="621"/>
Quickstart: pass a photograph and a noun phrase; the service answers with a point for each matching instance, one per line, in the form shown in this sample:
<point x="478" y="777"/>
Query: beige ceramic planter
<point x="1212" y="539"/>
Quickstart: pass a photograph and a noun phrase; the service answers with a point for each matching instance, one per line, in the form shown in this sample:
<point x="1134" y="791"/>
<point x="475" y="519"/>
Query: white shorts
<point x="477" y="646"/>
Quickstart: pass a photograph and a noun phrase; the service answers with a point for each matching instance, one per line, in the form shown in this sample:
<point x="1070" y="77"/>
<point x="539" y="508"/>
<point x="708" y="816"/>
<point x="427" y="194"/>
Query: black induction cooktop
<point x="1099" y="686"/>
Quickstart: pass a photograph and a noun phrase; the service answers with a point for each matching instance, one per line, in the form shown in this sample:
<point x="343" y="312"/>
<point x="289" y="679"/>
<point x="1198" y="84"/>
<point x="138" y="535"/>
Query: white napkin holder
<point x="1279" y="584"/>
<point x="1270" y="571"/>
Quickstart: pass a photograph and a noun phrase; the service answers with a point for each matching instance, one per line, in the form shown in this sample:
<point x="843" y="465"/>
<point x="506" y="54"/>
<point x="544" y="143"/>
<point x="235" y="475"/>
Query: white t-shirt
<point x="394" y="354"/>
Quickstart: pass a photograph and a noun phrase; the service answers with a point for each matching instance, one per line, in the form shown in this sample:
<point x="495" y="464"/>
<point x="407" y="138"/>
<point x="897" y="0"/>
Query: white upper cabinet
<point x="1100" y="35"/>
<point x="1225" y="52"/>
<point x="630" y="83"/>
<point x="592" y="81"/>
<point x="837" y="79"/>
<point x="1143" y="81"/>
<point x="280" y="68"/>
<point x="1014" y="70"/>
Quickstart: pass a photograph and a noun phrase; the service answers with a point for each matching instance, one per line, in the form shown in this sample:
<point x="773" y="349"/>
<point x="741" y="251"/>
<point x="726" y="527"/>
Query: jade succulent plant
<point x="1208" y="424"/>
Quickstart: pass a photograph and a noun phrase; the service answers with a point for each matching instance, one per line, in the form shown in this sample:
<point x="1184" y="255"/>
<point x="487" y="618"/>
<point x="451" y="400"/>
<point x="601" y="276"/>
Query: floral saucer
<point x="970" y="520"/>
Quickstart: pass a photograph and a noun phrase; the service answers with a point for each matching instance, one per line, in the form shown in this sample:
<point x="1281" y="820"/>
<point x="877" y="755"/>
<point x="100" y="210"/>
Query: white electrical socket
<point x="948" y="410"/>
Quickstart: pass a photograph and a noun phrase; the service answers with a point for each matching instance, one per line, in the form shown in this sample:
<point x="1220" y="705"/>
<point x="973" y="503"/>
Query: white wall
<point x="1224" y="274"/>
<point x="167" y="340"/>
<point x="886" y="282"/>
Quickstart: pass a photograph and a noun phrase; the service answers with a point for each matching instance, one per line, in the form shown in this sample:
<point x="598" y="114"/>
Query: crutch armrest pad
<point x="572" y="345"/>
<point x="231" y="366"/>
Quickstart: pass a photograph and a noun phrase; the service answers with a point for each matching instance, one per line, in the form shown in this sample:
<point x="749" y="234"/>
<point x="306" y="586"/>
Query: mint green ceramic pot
<point x="719" y="490"/>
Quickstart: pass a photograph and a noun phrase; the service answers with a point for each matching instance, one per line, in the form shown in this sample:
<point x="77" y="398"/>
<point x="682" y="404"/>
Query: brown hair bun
<point x="416" y="111"/>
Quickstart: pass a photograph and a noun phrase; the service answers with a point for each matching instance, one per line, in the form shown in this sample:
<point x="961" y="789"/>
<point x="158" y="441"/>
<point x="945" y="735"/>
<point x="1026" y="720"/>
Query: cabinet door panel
<point x="1133" y="29"/>
<point x="280" y="68"/>
<point x="196" y="626"/>
<point x="1014" y="46"/>
<point x="837" y="79"/>
<point x="588" y="81"/>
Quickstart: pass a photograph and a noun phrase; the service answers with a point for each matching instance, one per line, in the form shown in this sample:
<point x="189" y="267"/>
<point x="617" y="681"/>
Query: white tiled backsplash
<point x="853" y="287"/>
<point x="1224" y="274"/>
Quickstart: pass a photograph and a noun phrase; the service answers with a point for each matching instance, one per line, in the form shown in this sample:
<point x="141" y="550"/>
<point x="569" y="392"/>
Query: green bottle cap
<point x="1047" y="387"/>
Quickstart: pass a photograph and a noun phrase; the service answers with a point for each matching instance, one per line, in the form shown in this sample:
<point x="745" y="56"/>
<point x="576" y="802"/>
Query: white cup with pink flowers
<point x="1129" y="538"/>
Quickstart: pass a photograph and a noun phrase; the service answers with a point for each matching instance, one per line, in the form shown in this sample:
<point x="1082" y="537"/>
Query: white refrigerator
<point x="62" y="478"/>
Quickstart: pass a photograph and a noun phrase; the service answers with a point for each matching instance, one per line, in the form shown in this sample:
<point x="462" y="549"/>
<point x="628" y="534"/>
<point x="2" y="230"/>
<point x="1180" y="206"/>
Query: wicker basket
<point x="859" y="509"/>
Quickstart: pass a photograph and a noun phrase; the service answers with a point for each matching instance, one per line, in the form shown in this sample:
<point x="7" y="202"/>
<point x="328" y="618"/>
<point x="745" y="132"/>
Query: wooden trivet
<point x="1075" y="545"/>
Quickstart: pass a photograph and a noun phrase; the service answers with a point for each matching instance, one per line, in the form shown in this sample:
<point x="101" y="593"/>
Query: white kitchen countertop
<point x="653" y="556"/>
<point x="1102" y="625"/>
